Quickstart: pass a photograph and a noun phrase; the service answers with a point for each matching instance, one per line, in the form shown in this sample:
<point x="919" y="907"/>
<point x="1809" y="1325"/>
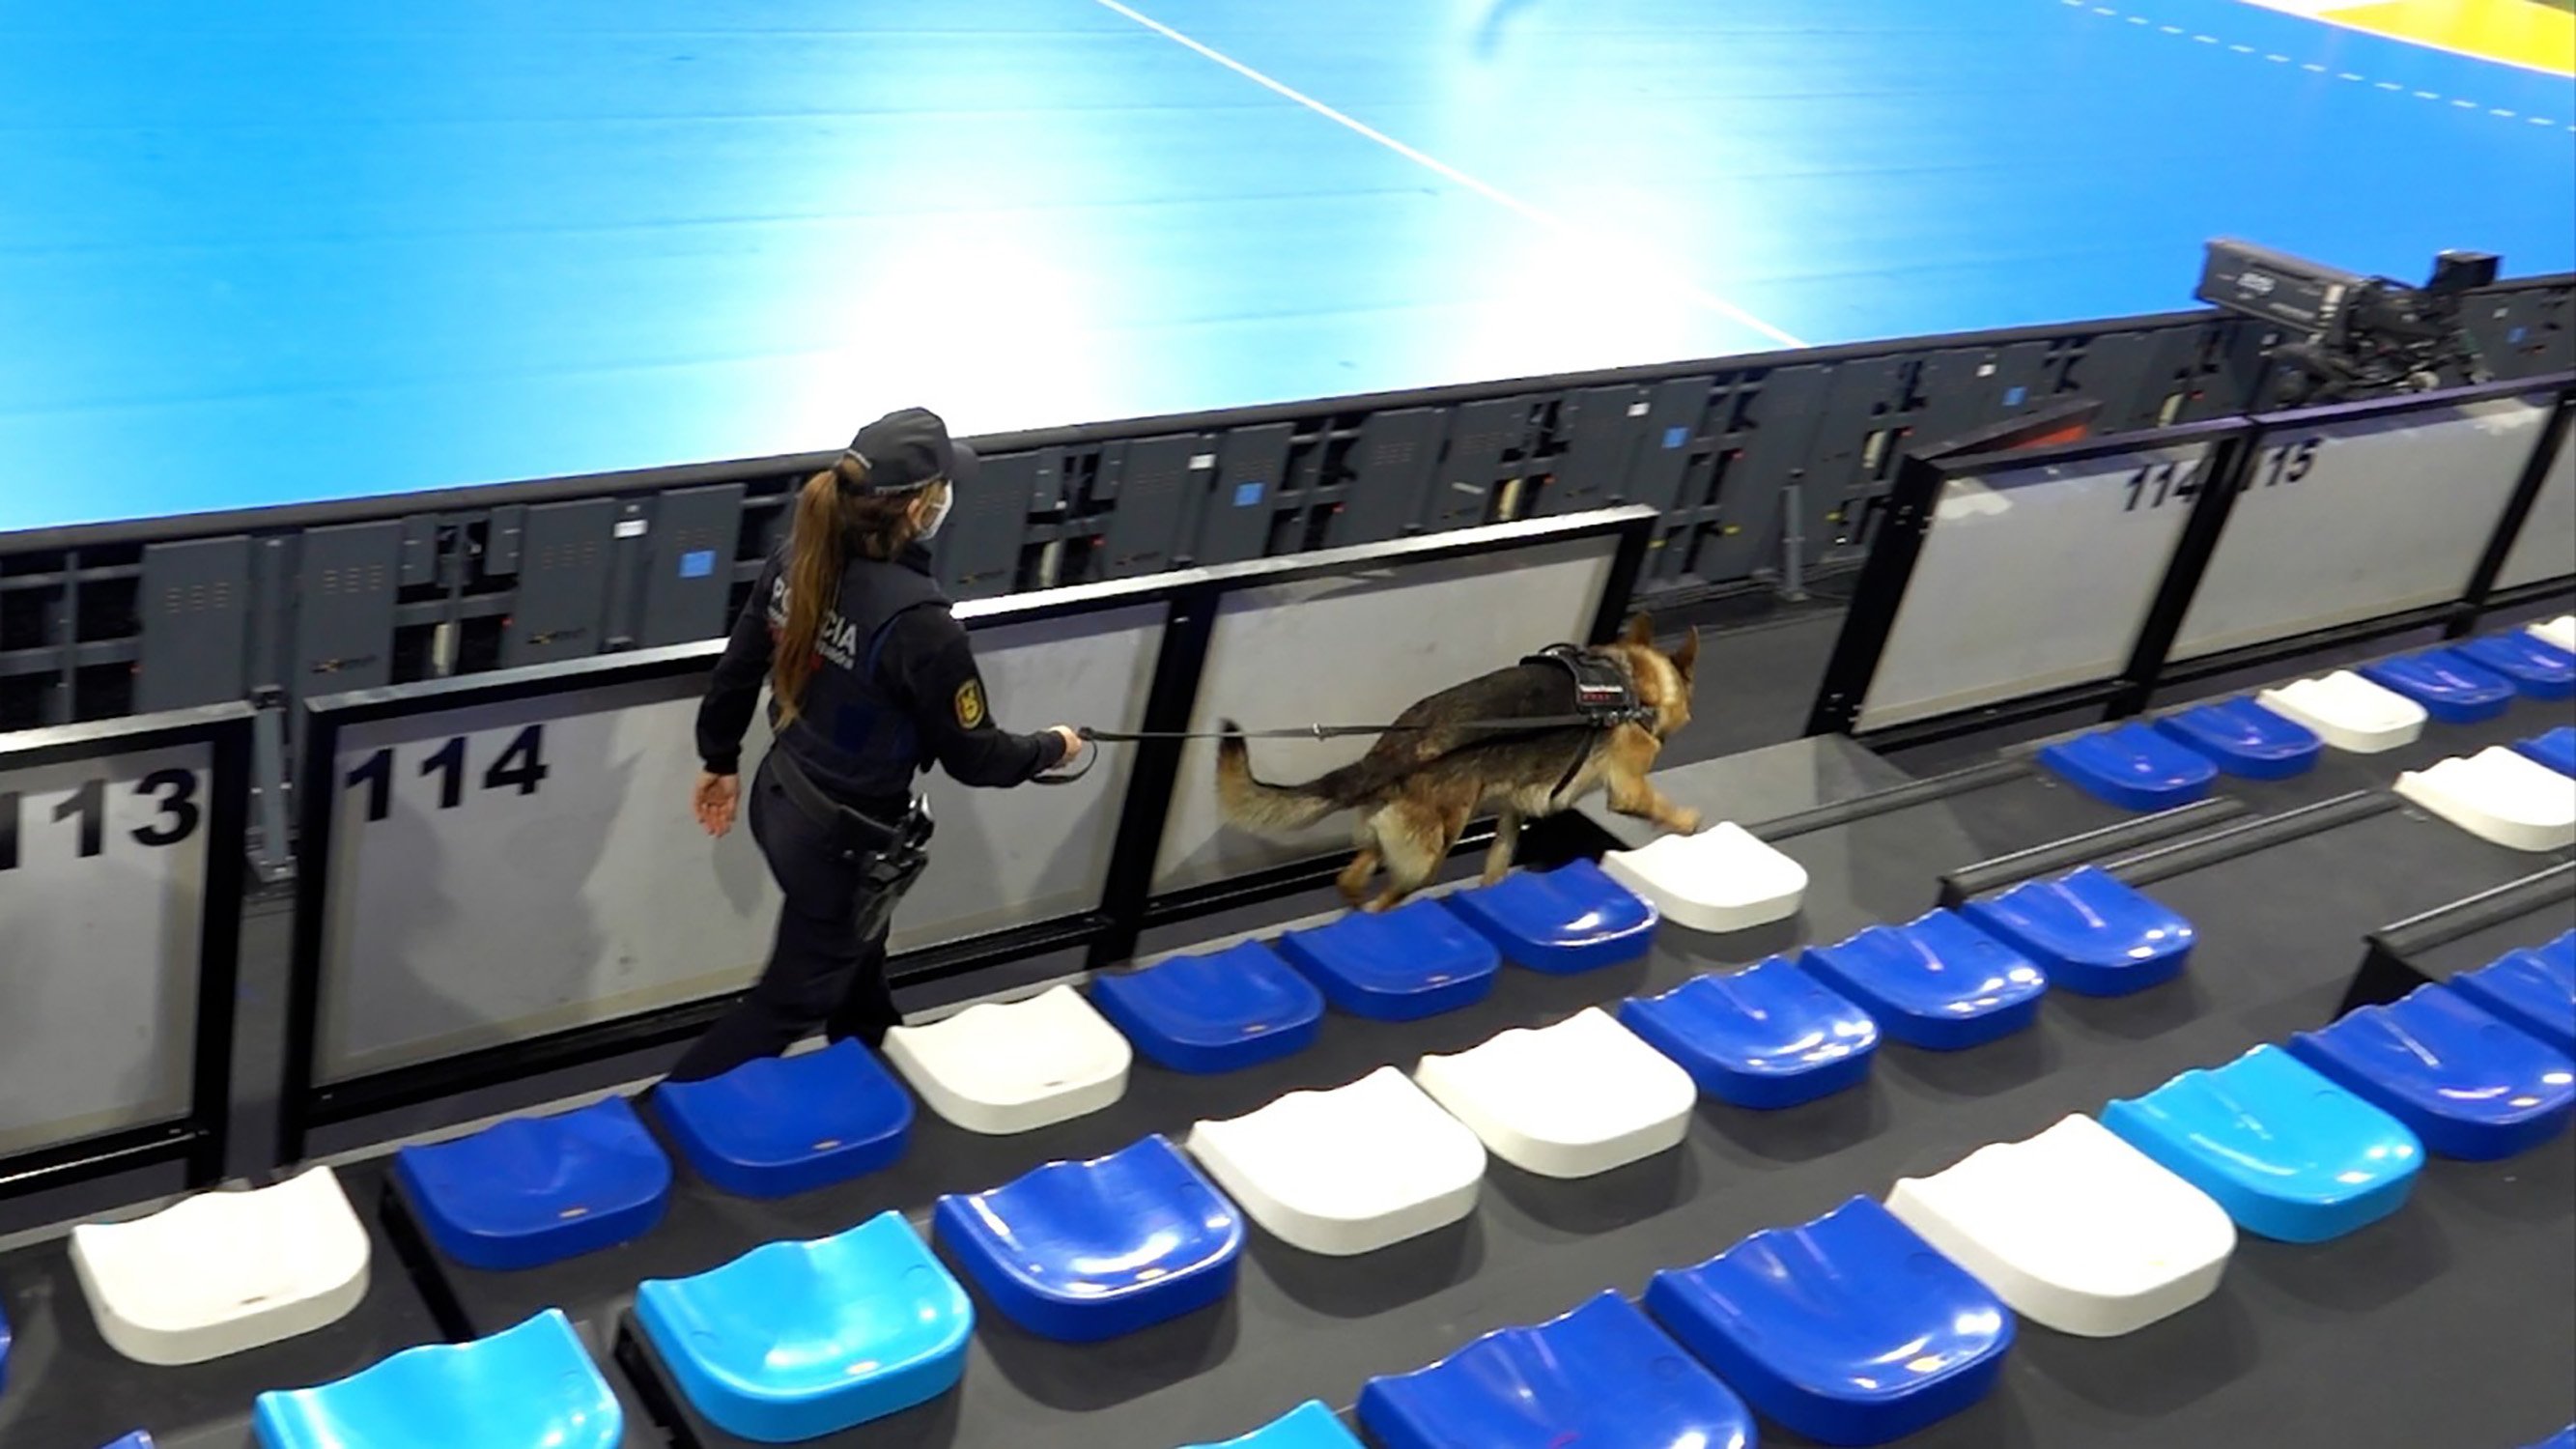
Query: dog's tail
<point x="1270" y="809"/>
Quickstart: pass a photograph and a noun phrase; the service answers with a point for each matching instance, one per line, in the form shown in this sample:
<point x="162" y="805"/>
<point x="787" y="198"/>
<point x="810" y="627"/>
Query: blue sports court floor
<point x="309" y="249"/>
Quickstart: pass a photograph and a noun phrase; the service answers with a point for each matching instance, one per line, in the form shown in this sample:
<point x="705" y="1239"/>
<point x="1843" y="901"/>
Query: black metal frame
<point x="1106" y="933"/>
<point x="196" y="1138"/>
<point x="2235" y="445"/>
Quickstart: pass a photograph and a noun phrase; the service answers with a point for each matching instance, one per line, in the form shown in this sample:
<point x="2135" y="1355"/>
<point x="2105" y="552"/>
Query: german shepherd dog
<point x="1421" y="783"/>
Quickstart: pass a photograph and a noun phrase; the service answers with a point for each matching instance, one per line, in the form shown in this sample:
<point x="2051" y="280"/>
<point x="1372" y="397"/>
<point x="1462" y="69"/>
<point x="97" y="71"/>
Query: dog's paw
<point x="1687" y="820"/>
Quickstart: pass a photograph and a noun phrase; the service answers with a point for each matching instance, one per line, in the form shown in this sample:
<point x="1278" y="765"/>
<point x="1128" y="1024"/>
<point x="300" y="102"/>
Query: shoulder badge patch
<point x="970" y="704"/>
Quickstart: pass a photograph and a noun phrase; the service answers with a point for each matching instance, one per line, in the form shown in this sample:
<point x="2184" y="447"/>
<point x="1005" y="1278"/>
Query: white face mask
<point x="938" y="512"/>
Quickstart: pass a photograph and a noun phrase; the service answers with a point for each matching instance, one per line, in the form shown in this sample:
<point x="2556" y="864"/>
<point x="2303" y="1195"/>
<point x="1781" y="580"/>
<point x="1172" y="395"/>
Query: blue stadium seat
<point x="1082" y="1251"/>
<point x="1935" y="982"/>
<point x="2534" y="991"/>
<point x="2289" y="1154"/>
<point x="1767" y="1036"/>
<point x="2563" y="1439"/>
<point x="1229" y="1009"/>
<point x="1848" y="1330"/>
<point x="1414" y="961"/>
<point x="2131" y="766"/>
<point x="2537" y="667"/>
<point x="1602" y="1374"/>
<point x="797" y="1340"/>
<point x="1574" y="918"/>
<point x="2093" y="935"/>
<point x="2451" y="688"/>
<point x="529" y="1387"/>
<point x="2556" y="749"/>
<point x="136" y="1440"/>
<point x="2244" y="738"/>
<point x="1308" y="1426"/>
<point x="535" y="1190"/>
<point x="2467" y="1084"/>
<point x="4" y="1346"/>
<point x="780" y="1125"/>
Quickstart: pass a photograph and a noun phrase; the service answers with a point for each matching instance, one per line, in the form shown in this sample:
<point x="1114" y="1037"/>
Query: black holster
<point x="890" y="856"/>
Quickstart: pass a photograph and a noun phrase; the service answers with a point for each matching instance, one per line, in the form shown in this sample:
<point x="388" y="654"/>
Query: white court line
<point x="1490" y="192"/>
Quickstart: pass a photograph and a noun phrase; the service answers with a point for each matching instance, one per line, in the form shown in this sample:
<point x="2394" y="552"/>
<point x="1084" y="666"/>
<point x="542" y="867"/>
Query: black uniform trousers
<point x="820" y="973"/>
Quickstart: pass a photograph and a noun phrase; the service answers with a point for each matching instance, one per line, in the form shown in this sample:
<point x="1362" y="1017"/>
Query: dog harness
<point x="1603" y="697"/>
<point x="1602" y="693"/>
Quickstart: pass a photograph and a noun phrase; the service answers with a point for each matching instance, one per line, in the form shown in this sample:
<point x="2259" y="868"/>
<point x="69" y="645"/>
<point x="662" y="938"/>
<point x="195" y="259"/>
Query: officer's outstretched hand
<point x="714" y="801"/>
<point x="1074" y="744"/>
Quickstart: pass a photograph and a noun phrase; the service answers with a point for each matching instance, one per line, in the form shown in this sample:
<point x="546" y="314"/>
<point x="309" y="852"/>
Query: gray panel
<point x="501" y="540"/>
<point x="563" y="583"/>
<point x="1480" y="433"/>
<point x="1770" y="452"/>
<point x="344" y="616"/>
<point x="2522" y="333"/>
<point x="691" y="560"/>
<point x="1664" y="442"/>
<point x="419" y="551"/>
<point x="1236" y="522"/>
<point x="508" y="913"/>
<point x="1391" y="464"/>
<point x="2546" y="547"/>
<point x="2030" y="579"/>
<point x="98" y="952"/>
<point x="2360" y="518"/>
<point x="1004" y="858"/>
<point x="979" y="548"/>
<point x="1155" y="483"/>
<point x="1600" y="426"/>
<point x="194" y="606"/>
<point x="1384" y="637"/>
<point x="2132" y="373"/>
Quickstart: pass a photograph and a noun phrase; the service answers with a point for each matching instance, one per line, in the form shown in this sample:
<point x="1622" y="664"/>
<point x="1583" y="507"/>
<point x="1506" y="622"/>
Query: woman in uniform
<point x="871" y="681"/>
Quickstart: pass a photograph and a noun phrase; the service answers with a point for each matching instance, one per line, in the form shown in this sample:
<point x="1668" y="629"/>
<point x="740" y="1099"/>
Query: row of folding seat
<point x="2279" y="733"/>
<point x="1342" y="1171"/>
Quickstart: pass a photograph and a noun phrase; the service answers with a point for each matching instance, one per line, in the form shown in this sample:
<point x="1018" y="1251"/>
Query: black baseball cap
<point x="908" y="449"/>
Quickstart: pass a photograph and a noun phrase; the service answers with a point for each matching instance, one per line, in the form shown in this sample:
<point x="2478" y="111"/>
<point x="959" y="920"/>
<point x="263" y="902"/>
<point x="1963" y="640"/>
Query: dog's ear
<point x="1686" y="658"/>
<point x="1641" y="629"/>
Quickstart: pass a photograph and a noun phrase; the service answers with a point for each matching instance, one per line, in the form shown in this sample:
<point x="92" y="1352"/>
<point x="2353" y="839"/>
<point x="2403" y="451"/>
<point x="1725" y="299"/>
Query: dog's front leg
<point x="1632" y="793"/>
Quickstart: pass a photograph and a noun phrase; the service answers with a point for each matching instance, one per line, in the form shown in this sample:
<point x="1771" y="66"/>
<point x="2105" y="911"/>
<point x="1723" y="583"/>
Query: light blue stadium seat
<point x="1082" y="1251"/>
<point x="2289" y="1154"/>
<point x="2451" y="688"/>
<point x="2468" y="1085"/>
<point x="136" y="1440"/>
<point x="1414" y="961"/>
<point x="1935" y="982"/>
<point x="4" y="1346"/>
<point x="780" y="1125"/>
<point x="2563" y="1439"/>
<point x="535" y="1190"/>
<point x="1767" y="1036"/>
<point x="1220" y="1012"/>
<point x="1574" y="918"/>
<point x="2243" y="738"/>
<point x="2132" y="766"/>
<point x="1602" y="1374"/>
<point x="2534" y="991"/>
<point x="2555" y="748"/>
<point x="797" y="1340"/>
<point x="2537" y="667"/>
<point x="529" y="1387"/>
<point x="1849" y="1330"/>
<point x="2093" y="935"/>
<point x="1308" y="1426"/>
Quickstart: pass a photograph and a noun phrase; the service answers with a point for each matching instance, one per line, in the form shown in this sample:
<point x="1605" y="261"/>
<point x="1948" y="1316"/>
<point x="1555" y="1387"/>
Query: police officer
<point x="871" y="681"/>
